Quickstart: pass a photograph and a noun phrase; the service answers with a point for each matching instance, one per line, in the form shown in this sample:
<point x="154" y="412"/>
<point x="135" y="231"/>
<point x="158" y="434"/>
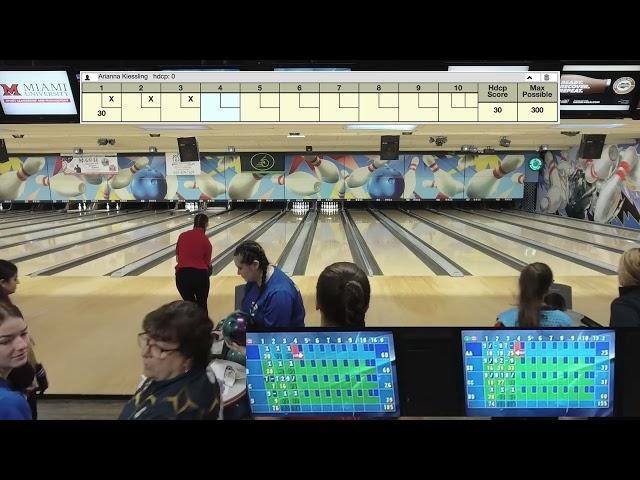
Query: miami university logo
<point x="10" y="90"/>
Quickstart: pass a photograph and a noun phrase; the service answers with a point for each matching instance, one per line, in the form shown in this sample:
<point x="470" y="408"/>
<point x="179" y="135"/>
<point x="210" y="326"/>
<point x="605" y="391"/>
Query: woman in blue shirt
<point x="271" y="297"/>
<point x="14" y="347"/>
<point x="531" y="312"/>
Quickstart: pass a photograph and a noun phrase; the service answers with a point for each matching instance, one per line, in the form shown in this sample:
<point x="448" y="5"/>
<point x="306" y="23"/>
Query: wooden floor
<point x="85" y="327"/>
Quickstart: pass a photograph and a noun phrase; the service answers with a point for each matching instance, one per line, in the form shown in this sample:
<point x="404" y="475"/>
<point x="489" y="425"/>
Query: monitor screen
<point x="322" y="373"/>
<point x="539" y="373"/>
<point x="29" y="92"/>
<point x="598" y="88"/>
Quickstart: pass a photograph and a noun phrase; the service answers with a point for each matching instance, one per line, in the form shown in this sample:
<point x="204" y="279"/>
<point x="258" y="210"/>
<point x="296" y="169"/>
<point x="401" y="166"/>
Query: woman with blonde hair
<point x="625" y="310"/>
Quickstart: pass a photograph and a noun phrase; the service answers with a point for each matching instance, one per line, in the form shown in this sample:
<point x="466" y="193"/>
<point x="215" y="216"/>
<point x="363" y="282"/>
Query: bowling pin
<point x="207" y="185"/>
<point x="1" y="207"/>
<point x="517" y="178"/>
<point x="244" y="185"/>
<point x="410" y="178"/>
<point x="443" y="181"/>
<point x="65" y="185"/>
<point x="12" y="183"/>
<point x="301" y="183"/>
<point x="485" y="182"/>
<point x="361" y="175"/>
<point x="328" y="171"/>
<point x="108" y="208"/>
<point x="172" y="186"/>
<point x="555" y="197"/>
<point x="123" y="178"/>
<point x="611" y="190"/>
<point x="600" y="168"/>
<point x="117" y="206"/>
<point x="342" y="186"/>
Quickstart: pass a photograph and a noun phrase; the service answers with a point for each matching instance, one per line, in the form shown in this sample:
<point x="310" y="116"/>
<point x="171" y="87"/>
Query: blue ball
<point x="386" y="182"/>
<point x="149" y="184"/>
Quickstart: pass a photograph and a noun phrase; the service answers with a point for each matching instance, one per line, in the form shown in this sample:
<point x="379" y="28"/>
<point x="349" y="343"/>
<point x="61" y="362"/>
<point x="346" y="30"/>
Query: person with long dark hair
<point x="31" y="377"/>
<point x="271" y="297"/>
<point x="532" y="312"/>
<point x="342" y="295"/>
<point x="14" y="346"/>
<point x="193" y="256"/>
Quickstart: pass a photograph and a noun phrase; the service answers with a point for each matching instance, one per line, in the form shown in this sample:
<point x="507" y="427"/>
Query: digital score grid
<point x="319" y="97"/>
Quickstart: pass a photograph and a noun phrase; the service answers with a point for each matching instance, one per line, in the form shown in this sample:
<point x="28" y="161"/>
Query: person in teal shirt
<point x="532" y="312"/>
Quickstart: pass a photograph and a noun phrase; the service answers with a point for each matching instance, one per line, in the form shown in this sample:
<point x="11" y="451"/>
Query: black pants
<point x="193" y="285"/>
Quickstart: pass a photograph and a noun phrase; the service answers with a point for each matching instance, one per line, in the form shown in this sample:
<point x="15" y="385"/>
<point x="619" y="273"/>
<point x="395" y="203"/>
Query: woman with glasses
<point x="14" y="346"/>
<point x="176" y="350"/>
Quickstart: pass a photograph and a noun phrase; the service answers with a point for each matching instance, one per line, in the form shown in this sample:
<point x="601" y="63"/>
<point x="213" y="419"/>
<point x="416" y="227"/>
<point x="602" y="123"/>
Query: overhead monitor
<point x="37" y="95"/>
<point x="598" y="90"/>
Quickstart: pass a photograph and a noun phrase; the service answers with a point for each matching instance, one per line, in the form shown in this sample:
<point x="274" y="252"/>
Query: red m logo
<point x="10" y="90"/>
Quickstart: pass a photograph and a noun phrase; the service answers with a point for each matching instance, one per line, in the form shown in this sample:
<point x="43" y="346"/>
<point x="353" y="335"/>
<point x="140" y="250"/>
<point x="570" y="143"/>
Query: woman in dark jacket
<point x="176" y="351"/>
<point x="625" y="310"/>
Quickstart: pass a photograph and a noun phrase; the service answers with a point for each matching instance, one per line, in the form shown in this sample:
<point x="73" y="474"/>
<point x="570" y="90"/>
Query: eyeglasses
<point x="156" y="351"/>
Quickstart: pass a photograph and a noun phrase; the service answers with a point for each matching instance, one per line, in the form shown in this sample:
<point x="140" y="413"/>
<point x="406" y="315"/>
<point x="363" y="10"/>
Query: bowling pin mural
<point x="300" y="183"/>
<point x="442" y="180"/>
<point x="556" y="196"/>
<point x="611" y="190"/>
<point x="484" y="183"/>
<point x="600" y="168"/>
<point x="207" y="185"/>
<point x="12" y="183"/>
<point x="172" y="186"/>
<point x="342" y="185"/>
<point x="360" y="176"/>
<point x="244" y="185"/>
<point x="327" y="171"/>
<point x="63" y="185"/>
<point x="410" y="178"/>
<point x="123" y="178"/>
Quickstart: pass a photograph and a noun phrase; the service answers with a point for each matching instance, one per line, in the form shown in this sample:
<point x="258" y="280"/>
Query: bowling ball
<point x="386" y="182"/>
<point x="234" y="327"/>
<point x="236" y="357"/>
<point x="94" y="179"/>
<point x="149" y="184"/>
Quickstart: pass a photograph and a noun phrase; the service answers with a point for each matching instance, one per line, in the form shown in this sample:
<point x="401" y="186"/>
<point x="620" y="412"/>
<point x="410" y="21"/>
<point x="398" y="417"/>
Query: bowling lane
<point x="39" y="245"/>
<point x="329" y="245"/>
<point x="273" y="240"/>
<point x="220" y="242"/>
<point x="516" y="250"/>
<point x="56" y="229"/>
<point x="595" y="227"/>
<point x="392" y="256"/>
<point x="621" y="243"/>
<point x="77" y="252"/>
<point x="28" y="226"/>
<point x="472" y="260"/>
<point x="590" y="251"/>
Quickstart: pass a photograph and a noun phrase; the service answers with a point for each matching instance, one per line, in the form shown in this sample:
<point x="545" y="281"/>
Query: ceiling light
<point x="370" y="126"/>
<point x="151" y="128"/>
